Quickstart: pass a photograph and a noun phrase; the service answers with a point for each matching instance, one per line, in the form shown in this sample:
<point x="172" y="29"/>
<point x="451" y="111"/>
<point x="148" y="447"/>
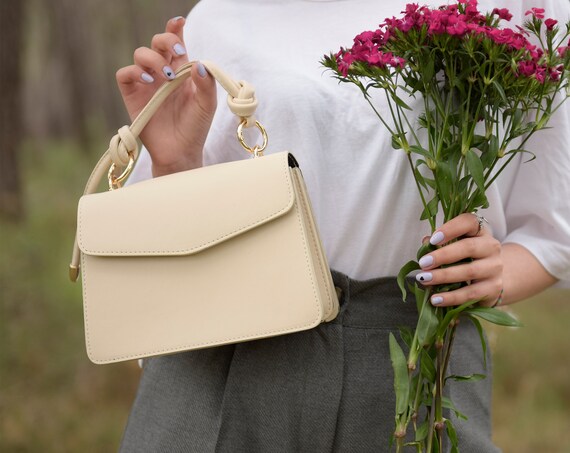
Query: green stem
<point x="439" y="397"/>
<point x="448" y="346"/>
<point x="376" y="111"/>
<point x="431" y="220"/>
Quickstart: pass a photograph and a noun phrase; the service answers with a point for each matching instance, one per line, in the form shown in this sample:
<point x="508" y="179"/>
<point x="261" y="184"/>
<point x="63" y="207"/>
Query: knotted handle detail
<point x="124" y="146"/>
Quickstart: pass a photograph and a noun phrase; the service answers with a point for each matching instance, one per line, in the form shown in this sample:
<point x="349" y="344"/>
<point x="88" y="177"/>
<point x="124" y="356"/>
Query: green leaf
<point x="422" y="151"/>
<point x="450" y="315"/>
<point x="435" y="444"/>
<point x="479" y="328"/>
<point x="517" y="118"/>
<point x="420" y="178"/>
<point x="501" y="91"/>
<point x="448" y="404"/>
<point x="420" y="294"/>
<point x="427" y="367"/>
<point x="431" y="209"/>
<point x="491" y="152"/>
<point x="422" y="431"/>
<point x="451" y="151"/>
<point x="400" y="102"/>
<point x="401" y="383"/>
<point x="446" y="177"/>
<point x="396" y="142"/>
<point x="452" y="434"/>
<point x="410" y="266"/>
<point x="427" y="324"/>
<point x="494" y="316"/>
<point x="478" y="141"/>
<point x="479" y="200"/>
<point x="406" y="335"/>
<point x="517" y="132"/>
<point x="470" y="378"/>
<point x="429" y="69"/>
<point x="475" y="167"/>
<point x="430" y="182"/>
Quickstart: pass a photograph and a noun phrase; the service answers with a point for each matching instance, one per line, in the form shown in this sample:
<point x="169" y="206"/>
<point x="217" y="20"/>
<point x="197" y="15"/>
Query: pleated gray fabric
<point x="329" y="389"/>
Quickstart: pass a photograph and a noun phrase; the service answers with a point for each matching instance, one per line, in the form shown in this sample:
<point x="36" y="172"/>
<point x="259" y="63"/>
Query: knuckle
<point x="471" y="293"/>
<point x="121" y="74"/>
<point x="498" y="285"/>
<point x="471" y="271"/>
<point x="471" y="246"/>
<point x="156" y="40"/>
<point x="495" y="246"/>
<point x="139" y="52"/>
<point x="498" y="269"/>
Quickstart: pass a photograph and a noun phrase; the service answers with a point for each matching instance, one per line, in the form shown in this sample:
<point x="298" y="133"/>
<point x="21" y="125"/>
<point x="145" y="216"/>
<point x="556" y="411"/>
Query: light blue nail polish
<point x="169" y="72"/>
<point x="147" y="78"/>
<point x="426" y="261"/>
<point x="424" y="277"/>
<point x="201" y="69"/>
<point x="177" y="18"/>
<point x="437" y="238"/>
<point x="179" y="49"/>
<point x="436" y="300"/>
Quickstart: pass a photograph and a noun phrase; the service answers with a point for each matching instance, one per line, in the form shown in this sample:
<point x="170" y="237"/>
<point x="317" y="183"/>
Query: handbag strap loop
<point x="124" y="147"/>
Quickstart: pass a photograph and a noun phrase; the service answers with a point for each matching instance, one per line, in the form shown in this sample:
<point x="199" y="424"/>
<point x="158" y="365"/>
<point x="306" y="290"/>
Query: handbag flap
<point x="186" y="212"/>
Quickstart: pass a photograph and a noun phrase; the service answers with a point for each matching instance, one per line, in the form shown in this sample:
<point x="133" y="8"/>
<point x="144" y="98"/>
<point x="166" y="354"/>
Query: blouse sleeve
<point x="538" y="208"/>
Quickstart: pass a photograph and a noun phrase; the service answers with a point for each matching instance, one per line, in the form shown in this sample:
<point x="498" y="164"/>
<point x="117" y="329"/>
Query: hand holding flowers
<point x="486" y="89"/>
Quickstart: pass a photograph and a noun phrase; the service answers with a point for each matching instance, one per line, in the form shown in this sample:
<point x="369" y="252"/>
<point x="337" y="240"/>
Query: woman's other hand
<point x="176" y="134"/>
<point x="484" y="272"/>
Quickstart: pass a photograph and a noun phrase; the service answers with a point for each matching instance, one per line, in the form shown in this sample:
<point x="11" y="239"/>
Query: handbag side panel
<point x="323" y="277"/>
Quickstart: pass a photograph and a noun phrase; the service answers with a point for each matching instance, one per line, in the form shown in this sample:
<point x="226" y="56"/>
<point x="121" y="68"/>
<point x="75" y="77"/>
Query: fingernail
<point x="424" y="277"/>
<point x="436" y="238"/>
<point x="201" y="69"/>
<point x="426" y="261"/>
<point x="147" y="78"/>
<point x="179" y="49"/>
<point x="177" y="18"/>
<point x="168" y="72"/>
<point x="436" y="300"/>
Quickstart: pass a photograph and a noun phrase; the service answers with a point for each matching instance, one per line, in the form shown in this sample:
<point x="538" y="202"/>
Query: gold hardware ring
<point x="256" y="150"/>
<point x="115" y="181"/>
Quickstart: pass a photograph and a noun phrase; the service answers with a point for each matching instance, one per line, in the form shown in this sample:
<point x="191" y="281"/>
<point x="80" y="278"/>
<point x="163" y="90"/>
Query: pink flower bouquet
<point x="486" y="89"/>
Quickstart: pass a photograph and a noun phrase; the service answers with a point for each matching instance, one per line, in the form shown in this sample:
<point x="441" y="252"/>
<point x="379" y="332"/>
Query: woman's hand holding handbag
<point x="199" y="258"/>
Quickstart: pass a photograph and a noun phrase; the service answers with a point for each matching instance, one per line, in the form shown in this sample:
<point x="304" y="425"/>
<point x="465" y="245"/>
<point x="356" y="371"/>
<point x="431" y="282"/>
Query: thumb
<point x="205" y="88"/>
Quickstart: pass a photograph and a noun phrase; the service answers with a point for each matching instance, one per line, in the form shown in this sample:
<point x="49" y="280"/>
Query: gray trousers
<point x="329" y="389"/>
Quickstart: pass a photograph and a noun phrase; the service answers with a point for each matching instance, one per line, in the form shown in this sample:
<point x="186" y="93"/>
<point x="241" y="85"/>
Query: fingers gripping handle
<point x="124" y="146"/>
<point x="241" y="101"/>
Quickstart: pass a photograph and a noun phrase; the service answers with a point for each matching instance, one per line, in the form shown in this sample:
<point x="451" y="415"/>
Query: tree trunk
<point x="11" y="27"/>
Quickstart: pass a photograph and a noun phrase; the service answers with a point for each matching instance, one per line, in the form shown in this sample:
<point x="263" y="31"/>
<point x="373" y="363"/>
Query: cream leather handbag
<point x="199" y="258"/>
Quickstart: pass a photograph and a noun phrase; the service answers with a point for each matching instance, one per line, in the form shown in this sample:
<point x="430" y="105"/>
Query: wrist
<point x="176" y="167"/>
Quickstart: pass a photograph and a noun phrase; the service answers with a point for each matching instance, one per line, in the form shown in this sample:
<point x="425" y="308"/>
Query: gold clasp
<point x="257" y="150"/>
<point x="115" y="181"/>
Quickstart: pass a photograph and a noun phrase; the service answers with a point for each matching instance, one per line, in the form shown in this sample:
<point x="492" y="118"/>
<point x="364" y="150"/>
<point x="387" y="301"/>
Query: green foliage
<point x="401" y="383"/>
<point x="52" y="399"/>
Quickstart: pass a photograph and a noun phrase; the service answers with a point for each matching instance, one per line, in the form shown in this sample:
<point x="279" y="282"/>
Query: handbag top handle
<point x="124" y="146"/>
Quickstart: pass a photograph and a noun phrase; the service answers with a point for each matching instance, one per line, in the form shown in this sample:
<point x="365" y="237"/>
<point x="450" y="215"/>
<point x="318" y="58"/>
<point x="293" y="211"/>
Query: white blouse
<point x="363" y="193"/>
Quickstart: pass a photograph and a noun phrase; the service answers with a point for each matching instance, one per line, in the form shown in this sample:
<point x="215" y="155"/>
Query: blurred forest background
<point x="58" y="107"/>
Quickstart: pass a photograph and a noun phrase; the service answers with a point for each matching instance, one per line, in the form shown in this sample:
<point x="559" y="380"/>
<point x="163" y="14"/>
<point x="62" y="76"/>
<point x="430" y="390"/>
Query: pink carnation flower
<point x="550" y="23"/>
<point x="503" y="13"/>
<point x="536" y="12"/>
